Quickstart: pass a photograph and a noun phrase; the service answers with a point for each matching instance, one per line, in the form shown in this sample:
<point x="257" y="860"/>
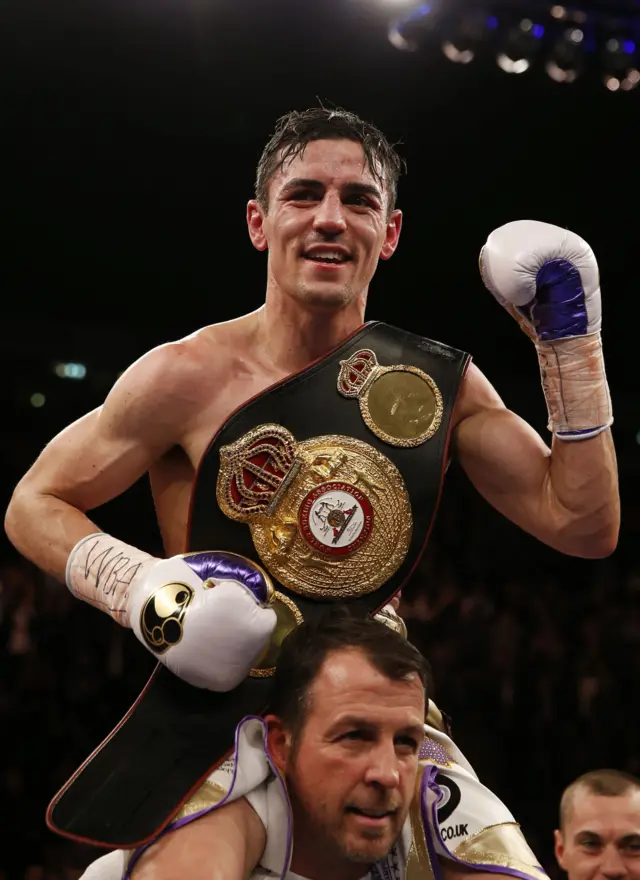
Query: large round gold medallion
<point x="344" y="524"/>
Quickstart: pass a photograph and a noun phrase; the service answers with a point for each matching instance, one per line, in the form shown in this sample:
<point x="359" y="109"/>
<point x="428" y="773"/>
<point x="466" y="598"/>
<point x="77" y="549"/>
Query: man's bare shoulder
<point x="476" y="395"/>
<point x="238" y="332"/>
<point x="187" y="368"/>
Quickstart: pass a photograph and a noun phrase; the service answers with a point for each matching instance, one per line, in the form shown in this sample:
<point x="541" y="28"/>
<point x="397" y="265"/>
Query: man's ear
<point x="558" y="848"/>
<point x="392" y="237"/>
<point x="279" y="742"/>
<point x="255" y="223"/>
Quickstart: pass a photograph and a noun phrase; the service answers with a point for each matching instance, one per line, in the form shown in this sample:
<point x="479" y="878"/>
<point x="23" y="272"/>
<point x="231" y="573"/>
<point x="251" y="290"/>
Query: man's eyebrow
<point x="630" y="838"/>
<point x="364" y="189"/>
<point x="353" y="187"/>
<point x="352" y="721"/>
<point x="302" y="183"/>
<point x="585" y="833"/>
<point x="415" y="730"/>
<point x="355" y="721"/>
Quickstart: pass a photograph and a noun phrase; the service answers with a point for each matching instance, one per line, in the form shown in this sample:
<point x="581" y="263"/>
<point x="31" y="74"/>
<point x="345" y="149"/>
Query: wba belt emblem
<point x="330" y="517"/>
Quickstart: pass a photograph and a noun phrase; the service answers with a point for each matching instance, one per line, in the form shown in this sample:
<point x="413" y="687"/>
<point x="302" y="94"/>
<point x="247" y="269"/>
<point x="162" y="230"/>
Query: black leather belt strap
<point x="175" y="735"/>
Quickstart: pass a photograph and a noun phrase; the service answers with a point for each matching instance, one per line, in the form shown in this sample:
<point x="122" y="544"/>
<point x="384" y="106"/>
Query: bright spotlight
<point x="405" y="33"/>
<point x="458" y="56"/>
<point x="70" y="371"/>
<point x="629" y="84"/>
<point x="619" y="60"/>
<point x="511" y="65"/>
<point x="465" y="36"/>
<point x="566" y="62"/>
<point x="521" y="47"/>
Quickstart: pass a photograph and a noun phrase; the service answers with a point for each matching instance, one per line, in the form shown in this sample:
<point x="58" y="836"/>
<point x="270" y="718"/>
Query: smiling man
<point x="325" y="212"/>
<point x="599" y="834"/>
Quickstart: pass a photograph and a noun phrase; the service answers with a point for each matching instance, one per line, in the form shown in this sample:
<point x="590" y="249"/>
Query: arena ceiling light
<point x="566" y="60"/>
<point x="620" y="62"/>
<point x="600" y="37"/>
<point x="522" y="45"/>
<point x="465" y="38"/>
<point x="407" y="32"/>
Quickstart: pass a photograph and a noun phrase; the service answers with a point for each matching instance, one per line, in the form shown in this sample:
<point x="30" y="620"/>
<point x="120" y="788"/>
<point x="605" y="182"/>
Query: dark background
<point x="131" y="133"/>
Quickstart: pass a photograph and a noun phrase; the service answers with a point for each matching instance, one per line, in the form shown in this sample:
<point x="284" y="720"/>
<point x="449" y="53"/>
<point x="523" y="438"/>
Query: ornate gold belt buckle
<point x="330" y="517"/>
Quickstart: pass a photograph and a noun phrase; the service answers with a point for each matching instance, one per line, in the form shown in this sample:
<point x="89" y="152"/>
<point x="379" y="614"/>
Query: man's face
<point x="327" y="225"/>
<point x="601" y="838"/>
<point x="352" y="773"/>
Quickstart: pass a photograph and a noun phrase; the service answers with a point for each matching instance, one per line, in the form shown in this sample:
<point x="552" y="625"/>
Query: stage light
<point x="465" y="36"/>
<point x="70" y="371"/>
<point x="458" y="56"/>
<point x="37" y="400"/>
<point x="568" y="42"/>
<point x="521" y="47"/>
<point x="510" y="65"/>
<point x="620" y="63"/>
<point x="406" y="33"/>
<point x="567" y="57"/>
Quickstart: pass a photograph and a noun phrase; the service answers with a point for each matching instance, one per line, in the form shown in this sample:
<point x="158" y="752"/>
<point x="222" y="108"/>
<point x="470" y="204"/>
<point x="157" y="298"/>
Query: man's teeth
<point x="327" y="258"/>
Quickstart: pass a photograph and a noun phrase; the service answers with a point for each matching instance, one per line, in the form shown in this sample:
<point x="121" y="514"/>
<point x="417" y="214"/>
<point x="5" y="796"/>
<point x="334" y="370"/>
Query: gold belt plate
<point x="330" y="517"/>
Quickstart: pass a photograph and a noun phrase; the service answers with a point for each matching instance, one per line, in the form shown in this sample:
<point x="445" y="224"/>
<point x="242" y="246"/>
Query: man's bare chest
<point x="218" y="406"/>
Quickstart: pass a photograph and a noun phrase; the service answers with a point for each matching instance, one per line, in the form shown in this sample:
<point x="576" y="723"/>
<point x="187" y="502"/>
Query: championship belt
<point x="330" y="481"/>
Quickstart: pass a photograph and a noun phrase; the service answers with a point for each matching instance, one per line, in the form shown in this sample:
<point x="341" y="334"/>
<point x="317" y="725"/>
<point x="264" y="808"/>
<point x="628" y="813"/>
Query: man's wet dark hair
<point x="295" y="130"/>
<point x="304" y="651"/>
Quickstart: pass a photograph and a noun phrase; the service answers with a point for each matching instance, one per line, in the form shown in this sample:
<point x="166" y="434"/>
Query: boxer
<point x="325" y="211"/>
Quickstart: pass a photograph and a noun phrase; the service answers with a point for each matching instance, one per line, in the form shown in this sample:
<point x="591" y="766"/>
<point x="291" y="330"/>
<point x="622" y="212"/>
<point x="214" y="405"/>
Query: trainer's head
<point x="324" y="206"/>
<point x="599" y="834"/>
<point x="345" y="729"/>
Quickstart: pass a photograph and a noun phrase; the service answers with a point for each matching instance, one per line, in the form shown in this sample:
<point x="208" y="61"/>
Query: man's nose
<point x="383" y="767"/>
<point x="329" y="216"/>
<point x="612" y="865"/>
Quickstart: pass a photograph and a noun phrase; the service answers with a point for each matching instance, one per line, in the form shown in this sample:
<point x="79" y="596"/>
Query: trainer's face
<point x="352" y="772"/>
<point x="327" y="225"/>
<point x="601" y="840"/>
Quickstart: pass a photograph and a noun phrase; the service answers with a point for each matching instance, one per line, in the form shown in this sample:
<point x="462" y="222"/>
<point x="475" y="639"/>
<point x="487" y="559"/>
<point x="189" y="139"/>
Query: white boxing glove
<point x="548" y="280"/>
<point x="206" y="616"/>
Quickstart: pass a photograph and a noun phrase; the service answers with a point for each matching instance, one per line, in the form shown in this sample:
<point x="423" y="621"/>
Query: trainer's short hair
<point x="304" y="651"/>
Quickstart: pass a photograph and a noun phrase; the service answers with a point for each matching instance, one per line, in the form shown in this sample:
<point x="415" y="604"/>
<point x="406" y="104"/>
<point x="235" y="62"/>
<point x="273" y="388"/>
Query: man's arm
<point x="547" y="278"/>
<point x="226" y="844"/>
<point x="566" y="496"/>
<point x="98" y="457"/>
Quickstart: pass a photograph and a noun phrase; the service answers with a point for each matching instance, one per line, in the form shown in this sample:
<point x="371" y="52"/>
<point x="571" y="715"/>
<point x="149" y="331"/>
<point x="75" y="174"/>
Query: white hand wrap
<point x="205" y="616"/>
<point x="104" y="571"/>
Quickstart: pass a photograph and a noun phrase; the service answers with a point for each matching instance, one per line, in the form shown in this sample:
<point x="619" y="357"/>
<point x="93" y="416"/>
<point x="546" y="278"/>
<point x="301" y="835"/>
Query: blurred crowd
<point x="534" y="658"/>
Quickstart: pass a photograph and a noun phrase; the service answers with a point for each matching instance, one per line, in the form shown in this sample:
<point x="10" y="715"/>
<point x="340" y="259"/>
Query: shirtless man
<point x="325" y="212"/>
